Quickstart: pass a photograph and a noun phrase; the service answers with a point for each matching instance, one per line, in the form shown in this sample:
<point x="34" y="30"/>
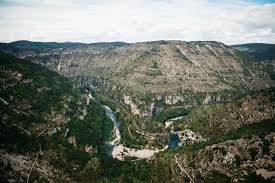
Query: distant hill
<point x="25" y="45"/>
<point x="116" y="43"/>
<point x="259" y="51"/>
<point x="30" y="44"/>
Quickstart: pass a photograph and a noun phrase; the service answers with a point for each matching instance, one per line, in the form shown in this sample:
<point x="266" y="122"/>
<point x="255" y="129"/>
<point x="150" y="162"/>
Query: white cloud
<point x="136" y="20"/>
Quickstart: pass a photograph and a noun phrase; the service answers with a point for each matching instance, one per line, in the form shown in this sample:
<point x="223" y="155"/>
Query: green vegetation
<point x="213" y="119"/>
<point x="14" y="140"/>
<point x="171" y="113"/>
<point x="35" y="100"/>
<point x="158" y="170"/>
<point x="253" y="153"/>
<point x="111" y="170"/>
<point x="154" y="70"/>
<point x="48" y="93"/>
<point x="254" y="178"/>
<point x="237" y="160"/>
<point x="78" y="156"/>
<point x="32" y="93"/>
<point x="94" y="128"/>
<point x="265" y="146"/>
<point x="245" y="131"/>
<point x="215" y="177"/>
<point x="220" y="149"/>
<point x="129" y="136"/>
<point x="247" y="61"/>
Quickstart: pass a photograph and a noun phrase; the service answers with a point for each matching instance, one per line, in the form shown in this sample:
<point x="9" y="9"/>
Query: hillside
<point x="46" y="122"/>
<point x="147" y="76"/>
<point x="201" y="66"/>
<point x="262" y="53"/>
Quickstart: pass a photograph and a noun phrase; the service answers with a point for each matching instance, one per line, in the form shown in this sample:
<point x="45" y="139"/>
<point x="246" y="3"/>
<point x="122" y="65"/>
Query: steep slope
<point x="239" y="141"/>
<point x="248" y="158"/>
<point x="262" y="53"/>
<point x="214" y="119"/>
<point x="147" y="75"/>
<point x="48" y="131"/>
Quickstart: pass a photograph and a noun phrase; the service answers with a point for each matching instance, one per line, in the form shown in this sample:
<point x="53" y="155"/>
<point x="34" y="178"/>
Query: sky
<point x="231" y="22"/>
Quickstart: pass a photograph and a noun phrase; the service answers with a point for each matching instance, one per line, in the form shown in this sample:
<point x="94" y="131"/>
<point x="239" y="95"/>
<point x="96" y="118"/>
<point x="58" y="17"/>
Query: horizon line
<point x="79" y="42"/>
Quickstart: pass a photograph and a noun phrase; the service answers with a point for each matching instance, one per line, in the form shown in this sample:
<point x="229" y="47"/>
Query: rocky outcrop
<point x="171" y="99"/>
<point x="211" y="98"/>
<point x="54" y="131"/>
<point x="133" y="107"/>
<point x="234" y="158"/>
<point x="157" y="102"/>
<point x="16" y="168"/>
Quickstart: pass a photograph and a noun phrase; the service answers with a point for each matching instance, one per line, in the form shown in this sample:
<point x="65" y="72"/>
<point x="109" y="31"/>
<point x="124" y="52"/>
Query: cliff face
<point x="168" y="69"/>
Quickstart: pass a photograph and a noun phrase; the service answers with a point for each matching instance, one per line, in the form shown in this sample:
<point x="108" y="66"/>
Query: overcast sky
<point x="231" y="22"/>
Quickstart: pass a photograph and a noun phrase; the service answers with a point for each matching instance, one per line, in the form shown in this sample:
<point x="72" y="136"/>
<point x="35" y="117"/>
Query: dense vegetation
<point x="171" y="113"/>
<point x="129" y="136"/>
<point x="36" y="101"/>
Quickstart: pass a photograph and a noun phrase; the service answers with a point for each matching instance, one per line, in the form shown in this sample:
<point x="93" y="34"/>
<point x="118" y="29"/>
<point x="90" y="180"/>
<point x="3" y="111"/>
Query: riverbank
<point x="118" y="150"/>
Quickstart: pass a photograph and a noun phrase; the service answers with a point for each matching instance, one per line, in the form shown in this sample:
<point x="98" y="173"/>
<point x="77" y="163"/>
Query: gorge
<point x="165" y="110"/>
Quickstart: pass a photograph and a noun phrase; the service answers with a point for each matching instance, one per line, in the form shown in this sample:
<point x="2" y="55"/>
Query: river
<point x="118" y="150"/>
<point x="110" y="114"/>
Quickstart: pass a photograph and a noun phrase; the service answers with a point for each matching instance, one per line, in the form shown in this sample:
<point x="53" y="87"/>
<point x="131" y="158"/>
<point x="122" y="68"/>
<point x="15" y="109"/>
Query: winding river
<point x="118" y="150"/>
<point x="110" y="114"/>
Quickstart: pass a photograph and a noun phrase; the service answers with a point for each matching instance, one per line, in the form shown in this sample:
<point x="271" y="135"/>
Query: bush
<point x="77" y="156"/>
<point x="237" y="160"/>
<point x="171" y="113"/>
<point x="265" y="146"/>
<point x="253" y="153"/>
